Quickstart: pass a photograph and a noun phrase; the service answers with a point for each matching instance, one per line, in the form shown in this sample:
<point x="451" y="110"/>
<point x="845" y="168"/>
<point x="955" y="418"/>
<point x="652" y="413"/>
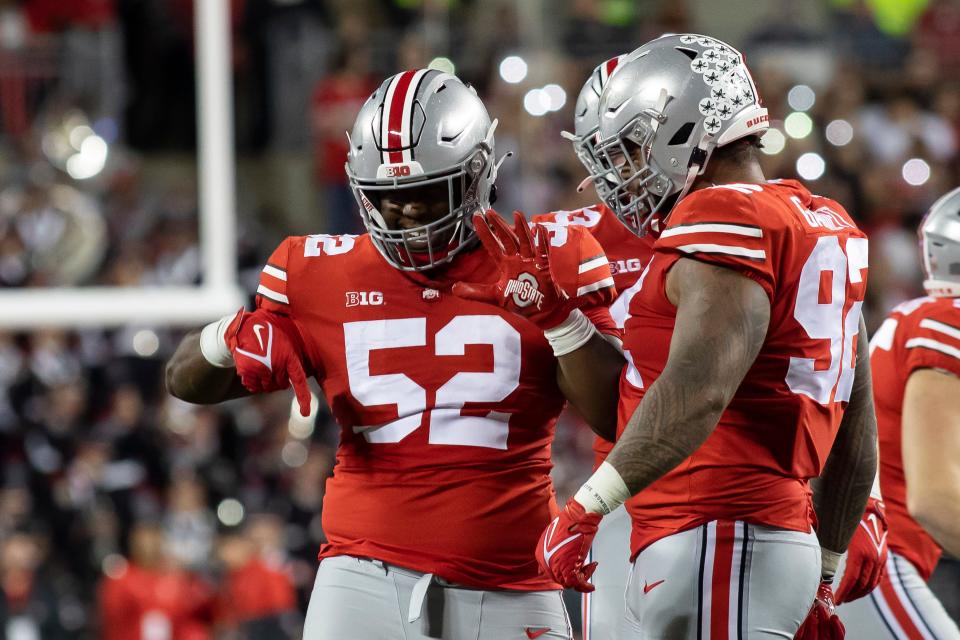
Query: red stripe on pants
<point x="394" y="140"/>
<point x="720" y="589"/>
<point x="898" y="610"/>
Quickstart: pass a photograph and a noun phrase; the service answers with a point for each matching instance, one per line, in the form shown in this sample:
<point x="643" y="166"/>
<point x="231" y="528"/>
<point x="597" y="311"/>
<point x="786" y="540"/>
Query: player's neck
<point x="724" y="171"/>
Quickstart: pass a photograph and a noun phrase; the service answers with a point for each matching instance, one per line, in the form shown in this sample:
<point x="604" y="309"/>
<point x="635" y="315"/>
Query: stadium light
<point x="839" y="133"/>
<point x="536" y="102"/>
<point x="513" y="69"/>
<point x="915" y="172"/>
<point x="801" y="98"/>
<point x="556" y="96"/>
<point x="811" y="166"/>
<point x="773" y="142"/>
<point x="442" y="64"/>
<point x="798" y="125"/>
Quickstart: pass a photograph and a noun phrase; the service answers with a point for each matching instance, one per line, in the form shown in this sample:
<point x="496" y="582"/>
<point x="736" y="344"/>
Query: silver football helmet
<point x="422" y="127"/>
<point x="586" y="124"/>
<point x="677" y="98"/>
<point x="940" y="246"/>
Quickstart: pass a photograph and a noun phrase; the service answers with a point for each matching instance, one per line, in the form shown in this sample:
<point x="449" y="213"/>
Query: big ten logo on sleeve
<point x="364" y="298"/>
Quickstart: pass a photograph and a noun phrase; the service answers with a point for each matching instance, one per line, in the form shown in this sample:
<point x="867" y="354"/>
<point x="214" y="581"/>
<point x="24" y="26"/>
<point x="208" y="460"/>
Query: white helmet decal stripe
<point x="385" y="113"/>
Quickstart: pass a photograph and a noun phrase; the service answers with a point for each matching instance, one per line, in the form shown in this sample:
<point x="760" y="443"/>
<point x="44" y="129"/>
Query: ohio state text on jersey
<point x="919" y="334"/>
<point x="776" y="433"/>
<point x="446" y="406"/>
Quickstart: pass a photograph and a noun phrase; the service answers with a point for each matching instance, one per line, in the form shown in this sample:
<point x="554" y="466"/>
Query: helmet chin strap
<point x="697" y="165"/>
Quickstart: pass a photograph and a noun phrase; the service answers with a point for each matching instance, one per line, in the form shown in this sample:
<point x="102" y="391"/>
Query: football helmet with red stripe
<point x="674" y="100"/>
<point x="422" y="128"/>
<point x="586" y="123"/>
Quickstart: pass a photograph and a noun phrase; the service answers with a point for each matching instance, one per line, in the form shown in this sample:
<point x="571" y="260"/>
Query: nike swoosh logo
<point x="536" y="633"/>
<point x="258" y="331"/>
<point x="548" y="552"/>
<point x="265" y="358"/>
<point x="647" y="588"/>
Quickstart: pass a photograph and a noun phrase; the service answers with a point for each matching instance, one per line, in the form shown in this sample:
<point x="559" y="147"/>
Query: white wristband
<point x="604" y="491"/>
<point x="213" y="342"/>
<point x="571" y="334"/>
<point x="829" y="562"/>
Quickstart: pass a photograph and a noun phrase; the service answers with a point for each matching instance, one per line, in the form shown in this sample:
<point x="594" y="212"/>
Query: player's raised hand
<point x="822" y="622"/>
<point x="564" y="545"/>
<point x="526" y="285"/>
<point x="266" y="348"/>
<point x="866" y="555"/>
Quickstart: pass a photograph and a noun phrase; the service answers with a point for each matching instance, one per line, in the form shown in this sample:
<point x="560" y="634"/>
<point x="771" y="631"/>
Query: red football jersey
<point x="446" y="406"/>
<point x="919" y="334"/>
<point x="811" y="260"/>
<point x="628" y="255"/>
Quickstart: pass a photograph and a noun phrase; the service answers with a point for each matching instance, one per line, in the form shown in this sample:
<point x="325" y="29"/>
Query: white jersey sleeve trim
<point x="273" y="295"/>
<point x="714" y="227"/>
<point x="757" y="254"/>
<point x="940" y="327"/>
<point x="279" y="274"/>
<point x="593" y="264"/>
<point x="599" y="284"/>
<point x="933" y="345"/>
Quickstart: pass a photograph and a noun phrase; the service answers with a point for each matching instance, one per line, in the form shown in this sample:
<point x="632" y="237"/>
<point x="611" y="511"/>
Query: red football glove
<point x="526" y="285"/>
<point x="564" y="545"/>
<point x="266" y="348"/>
<point x="866" y="556"/>
<point x="822" y="622"/>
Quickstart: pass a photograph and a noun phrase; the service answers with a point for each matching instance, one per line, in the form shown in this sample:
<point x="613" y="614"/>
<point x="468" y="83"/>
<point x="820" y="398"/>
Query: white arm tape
<point x="604" y="491"/>
<point x="829" y="562"/>
<point x="571" y="334"/>
<point x="213" y="343"/>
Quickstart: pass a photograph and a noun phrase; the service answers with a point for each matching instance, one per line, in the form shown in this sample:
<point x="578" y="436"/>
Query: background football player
<point x="447" y="406"/>
<point x="628" y="251"/>
<point x="743" y="380"/>
<point x="916" y="378"/>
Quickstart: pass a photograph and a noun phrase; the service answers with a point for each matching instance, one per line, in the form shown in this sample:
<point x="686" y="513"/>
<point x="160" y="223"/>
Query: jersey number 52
<point x="446" y="424"/>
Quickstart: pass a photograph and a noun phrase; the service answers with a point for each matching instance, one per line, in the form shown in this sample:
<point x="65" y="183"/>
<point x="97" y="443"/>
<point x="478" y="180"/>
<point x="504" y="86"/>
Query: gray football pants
<point x="362" y="599"/>
<point x="901" y="608"/>
<point x="722" y="580"/>
<point x="604" y="609"/>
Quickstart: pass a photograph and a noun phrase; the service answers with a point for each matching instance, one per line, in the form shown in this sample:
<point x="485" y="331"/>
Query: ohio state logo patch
<point x="524" y="290"/>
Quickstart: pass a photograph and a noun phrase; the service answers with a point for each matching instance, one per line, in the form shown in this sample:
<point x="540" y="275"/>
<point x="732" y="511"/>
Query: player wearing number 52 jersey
<point x="915" y="356"/>
<point x="446" y="404"/>
<point x="743" y="379"/>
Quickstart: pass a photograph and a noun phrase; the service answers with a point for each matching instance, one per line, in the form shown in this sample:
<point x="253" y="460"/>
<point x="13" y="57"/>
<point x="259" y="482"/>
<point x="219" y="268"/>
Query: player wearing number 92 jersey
<point x="811" y="260"/>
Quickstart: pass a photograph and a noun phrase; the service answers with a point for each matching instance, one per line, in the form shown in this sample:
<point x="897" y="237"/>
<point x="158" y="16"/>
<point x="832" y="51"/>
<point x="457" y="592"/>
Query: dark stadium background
<point x="98" y="187"/>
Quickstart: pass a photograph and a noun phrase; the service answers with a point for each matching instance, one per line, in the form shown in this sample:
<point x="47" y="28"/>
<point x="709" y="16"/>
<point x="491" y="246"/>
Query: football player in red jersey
<point x="743" y="378"/>
<point x="446" y="406"/>
<point x="915" y="357"/>
<point x="628" y="251"/>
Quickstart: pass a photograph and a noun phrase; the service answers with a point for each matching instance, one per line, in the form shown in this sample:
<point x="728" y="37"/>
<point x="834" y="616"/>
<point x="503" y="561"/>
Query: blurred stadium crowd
<point x="109" y="488"/>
